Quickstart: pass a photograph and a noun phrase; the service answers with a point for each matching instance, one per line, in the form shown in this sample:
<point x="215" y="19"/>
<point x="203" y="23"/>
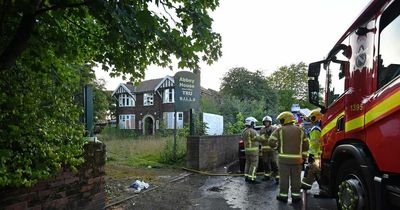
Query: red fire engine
<point x="357" y="88"/>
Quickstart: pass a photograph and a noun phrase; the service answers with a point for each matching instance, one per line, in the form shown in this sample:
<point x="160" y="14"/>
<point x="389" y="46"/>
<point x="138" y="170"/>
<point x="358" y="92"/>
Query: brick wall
<point x="66" y="190"/>
<point x="208" y="152"/>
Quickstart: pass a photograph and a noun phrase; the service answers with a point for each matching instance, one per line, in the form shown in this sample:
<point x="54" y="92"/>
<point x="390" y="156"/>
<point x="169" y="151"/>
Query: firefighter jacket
<point x="251" y="140"/>
<point x="266" y="133"/>
<point x="290" y="142"/>
<point x="315" y="143"/>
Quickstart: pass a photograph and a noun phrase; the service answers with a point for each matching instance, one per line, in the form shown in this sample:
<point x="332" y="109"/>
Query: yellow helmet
<point x="285" y="118"/>
<point x="315" y="116"/>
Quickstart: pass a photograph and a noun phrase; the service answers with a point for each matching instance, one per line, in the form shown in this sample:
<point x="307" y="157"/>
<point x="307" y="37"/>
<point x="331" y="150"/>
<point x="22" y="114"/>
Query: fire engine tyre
<point x="352" y="189"/>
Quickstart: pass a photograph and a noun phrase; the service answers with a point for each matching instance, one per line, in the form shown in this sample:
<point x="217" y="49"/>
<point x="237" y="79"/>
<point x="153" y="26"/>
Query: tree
<point x="47" y="51"/>
<point x="249" y="86"/>
<point x="237" y="126"/>
<point x="101" y="101"/>
<point x="209" y="101"/>
<point x="244" y="84"/>
<point x="127" y="35"/>
<point x="291" y="84"/>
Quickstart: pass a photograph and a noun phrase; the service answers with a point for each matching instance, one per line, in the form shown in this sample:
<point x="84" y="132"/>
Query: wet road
<point x="196" y="191"/>
<point x="219" y="192"/>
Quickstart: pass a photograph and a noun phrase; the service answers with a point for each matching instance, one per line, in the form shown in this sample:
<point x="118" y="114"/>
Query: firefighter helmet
<point x="314" y="116"/>
<point x="285" y="118"/>
<point x="267" y="118"/>
<point x="250" y="121"/>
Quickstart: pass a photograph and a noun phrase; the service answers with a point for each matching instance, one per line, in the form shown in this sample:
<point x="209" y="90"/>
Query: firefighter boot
<point x="282" y="198"/>
<point x="295" y="199"/>
<point x="305" y="186"/>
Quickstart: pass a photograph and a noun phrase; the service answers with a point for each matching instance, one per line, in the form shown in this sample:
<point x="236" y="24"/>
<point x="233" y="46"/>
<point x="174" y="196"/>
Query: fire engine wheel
<point x="352" y="192"/>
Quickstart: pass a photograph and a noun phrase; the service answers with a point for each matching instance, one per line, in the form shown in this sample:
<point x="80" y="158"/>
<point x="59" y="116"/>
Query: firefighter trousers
<point x="311" y="174"/>
<point x="270" y="163"/>
<point x="292" y="172"/>
<point x="250" y="168"/>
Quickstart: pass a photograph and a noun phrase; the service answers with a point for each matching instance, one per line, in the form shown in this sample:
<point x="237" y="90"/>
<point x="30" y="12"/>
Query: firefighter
<point x="268" y="154"/>
<point x="291" y="143"/>
<point x="315" y="133"/>
<point x="312" y="172"/>
<point x="251" y="147"/>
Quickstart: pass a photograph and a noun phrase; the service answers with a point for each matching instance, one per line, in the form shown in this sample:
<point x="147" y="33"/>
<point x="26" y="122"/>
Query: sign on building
<point x="187" y="90"/>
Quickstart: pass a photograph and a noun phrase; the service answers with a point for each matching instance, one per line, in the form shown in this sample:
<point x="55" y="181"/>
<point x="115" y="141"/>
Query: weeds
<point x="167" y="155"/>
<point x="126" y="148"/>
<point x="112" y="133"/>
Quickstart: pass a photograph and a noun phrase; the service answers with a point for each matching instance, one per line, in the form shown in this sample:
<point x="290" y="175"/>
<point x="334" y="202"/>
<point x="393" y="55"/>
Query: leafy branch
<point x="60" y="6"/>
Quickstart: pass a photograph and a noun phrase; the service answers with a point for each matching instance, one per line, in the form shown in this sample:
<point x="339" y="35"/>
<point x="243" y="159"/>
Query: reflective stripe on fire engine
<point x="377" y="111"/>
<point x="354" y="123"/>
<point x="331" y="124"/>
<point x="388" y="104"/>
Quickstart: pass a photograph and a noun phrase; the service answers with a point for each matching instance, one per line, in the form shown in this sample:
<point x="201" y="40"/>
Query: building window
<point x="127" y="121"/>
<point x="169" y="120"/>
<point x="126" y="100"/>
<point x="148" y="99"/>
<point x="169" y="95"/>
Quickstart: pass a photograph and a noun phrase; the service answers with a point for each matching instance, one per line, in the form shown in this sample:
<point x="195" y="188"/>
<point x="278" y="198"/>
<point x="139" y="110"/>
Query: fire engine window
<point x="335" y="79"/>
<point x="389" y="53"/>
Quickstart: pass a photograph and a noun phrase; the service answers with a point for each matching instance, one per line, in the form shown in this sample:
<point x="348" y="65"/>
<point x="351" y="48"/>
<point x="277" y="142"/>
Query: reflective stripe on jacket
<point x="315" y="144"/>
<point x="250" y="141"/>
<point x="291" y="142"/>
<point x="266" y="133"/>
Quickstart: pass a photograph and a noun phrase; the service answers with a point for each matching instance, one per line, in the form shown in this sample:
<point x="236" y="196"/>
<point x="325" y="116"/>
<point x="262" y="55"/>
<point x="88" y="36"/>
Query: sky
<point x="267" y="34"/>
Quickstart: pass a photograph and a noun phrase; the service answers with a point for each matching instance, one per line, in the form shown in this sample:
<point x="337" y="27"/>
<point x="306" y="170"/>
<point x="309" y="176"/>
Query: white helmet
<point x="250" y="121"/>
<point x="267" y="118"/>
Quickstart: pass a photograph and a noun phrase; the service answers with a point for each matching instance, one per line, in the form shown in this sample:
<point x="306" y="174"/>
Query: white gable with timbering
<point x="167" y="82"/>
<point x="123" y="89"/>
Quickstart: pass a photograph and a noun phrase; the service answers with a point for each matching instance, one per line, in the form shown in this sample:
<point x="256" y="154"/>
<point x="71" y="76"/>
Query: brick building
<point x="148" y="106"/>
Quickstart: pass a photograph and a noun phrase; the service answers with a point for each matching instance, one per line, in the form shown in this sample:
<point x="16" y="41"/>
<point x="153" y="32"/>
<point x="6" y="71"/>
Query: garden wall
<point x="208" y="152"/>
<point x="66" y="190"/>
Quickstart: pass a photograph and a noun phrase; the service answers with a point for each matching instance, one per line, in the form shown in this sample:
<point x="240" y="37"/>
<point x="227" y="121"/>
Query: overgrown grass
<point x="113" y="133"/>
<point x="125" y="148"/>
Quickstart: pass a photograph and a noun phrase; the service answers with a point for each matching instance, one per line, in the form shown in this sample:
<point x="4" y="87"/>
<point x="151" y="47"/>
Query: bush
<point x="163" y="132"/>
<point x="39" y="128"/>
<point x="167" y="155"/>
<point x="236" y="127"/>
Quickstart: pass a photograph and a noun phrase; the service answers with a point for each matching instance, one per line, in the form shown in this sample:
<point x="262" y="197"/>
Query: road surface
<point x="195" y="192"/>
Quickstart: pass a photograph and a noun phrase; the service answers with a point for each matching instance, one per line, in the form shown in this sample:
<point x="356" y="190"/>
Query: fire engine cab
<point x="357" y="88"/>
